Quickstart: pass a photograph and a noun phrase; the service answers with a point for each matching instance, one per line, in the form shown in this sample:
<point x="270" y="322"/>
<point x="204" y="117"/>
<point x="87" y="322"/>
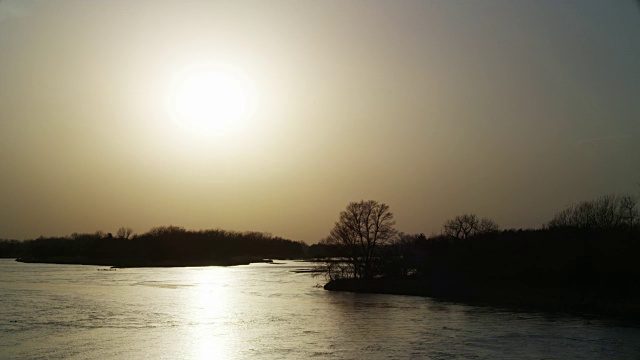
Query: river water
<point x="267" y="311"/>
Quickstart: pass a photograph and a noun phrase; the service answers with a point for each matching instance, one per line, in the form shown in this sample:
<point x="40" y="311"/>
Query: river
<point x="268" y="311"/>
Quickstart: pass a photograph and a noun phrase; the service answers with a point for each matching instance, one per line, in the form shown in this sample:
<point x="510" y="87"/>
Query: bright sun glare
<point x="210" y="100"/>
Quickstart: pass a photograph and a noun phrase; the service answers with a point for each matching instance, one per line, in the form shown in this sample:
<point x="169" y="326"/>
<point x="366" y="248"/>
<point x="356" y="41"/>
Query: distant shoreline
<point x="595" y="302"/>
<point x="234" y="261"/>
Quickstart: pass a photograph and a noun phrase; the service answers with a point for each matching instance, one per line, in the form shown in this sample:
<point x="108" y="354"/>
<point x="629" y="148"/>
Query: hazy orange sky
<point x="509" y="109"/>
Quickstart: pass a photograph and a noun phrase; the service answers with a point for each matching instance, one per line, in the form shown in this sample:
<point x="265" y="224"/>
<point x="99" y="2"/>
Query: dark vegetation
<point x="12" y="248"/>
<point x="161" y="246"/>
<point x="586" y="259"/>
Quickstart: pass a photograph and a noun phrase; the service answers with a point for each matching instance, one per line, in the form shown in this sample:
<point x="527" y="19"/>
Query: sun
<point x="210" y="100"/>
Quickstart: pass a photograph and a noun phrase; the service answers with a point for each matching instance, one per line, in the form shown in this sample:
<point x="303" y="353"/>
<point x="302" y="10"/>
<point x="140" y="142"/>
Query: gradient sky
<point x="508" y="109"/>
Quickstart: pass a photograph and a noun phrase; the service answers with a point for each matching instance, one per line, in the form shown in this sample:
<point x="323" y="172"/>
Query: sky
<point x="272" y="116"/>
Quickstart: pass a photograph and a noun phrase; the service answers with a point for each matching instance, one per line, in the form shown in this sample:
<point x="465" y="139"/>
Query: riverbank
<point x="599" y="302"/>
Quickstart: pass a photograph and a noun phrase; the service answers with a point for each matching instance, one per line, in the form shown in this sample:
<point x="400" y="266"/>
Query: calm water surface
<point x="266" y="311"/>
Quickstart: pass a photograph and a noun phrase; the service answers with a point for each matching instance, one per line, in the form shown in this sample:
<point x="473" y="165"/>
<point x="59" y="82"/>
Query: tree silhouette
<point x="362" y="228"/>
<point x="629" y="210"/>
<point x="467" y="225"/>
<point x="124" y="232"/>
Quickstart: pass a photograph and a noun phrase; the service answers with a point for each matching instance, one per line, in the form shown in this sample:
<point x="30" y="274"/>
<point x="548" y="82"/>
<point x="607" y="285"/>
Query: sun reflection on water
<point x="208" y="306"/>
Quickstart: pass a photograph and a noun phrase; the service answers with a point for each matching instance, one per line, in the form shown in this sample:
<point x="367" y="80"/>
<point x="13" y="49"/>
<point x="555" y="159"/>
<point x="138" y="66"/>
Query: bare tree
<point x="467" y="225"/>
<point x="629" y="210"/>
<point x="488" y="226"/>
<point x="359" y="232"/>
<point x="124" y="232"/>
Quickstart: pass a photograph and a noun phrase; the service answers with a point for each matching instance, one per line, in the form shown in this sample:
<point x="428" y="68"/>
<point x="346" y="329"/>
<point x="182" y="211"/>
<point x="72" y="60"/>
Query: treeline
<point x="555" y="257"/>
<point x="608" y="212"/>
<point x="160" y="246"/>
<point x="587" y="256"/>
